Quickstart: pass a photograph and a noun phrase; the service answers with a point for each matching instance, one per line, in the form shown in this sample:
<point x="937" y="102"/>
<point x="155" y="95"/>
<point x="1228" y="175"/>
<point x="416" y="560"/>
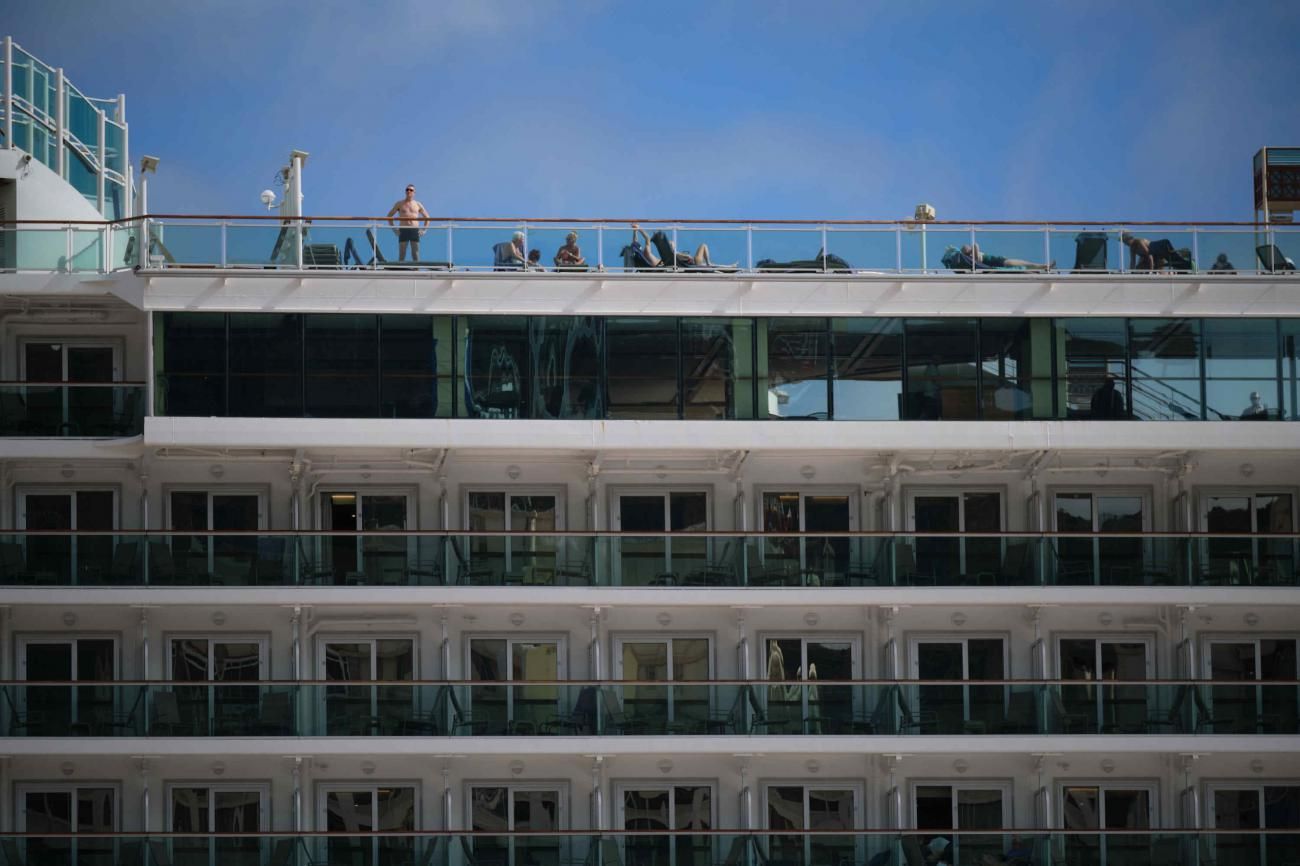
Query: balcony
<point x="72" y="410"/>
<point x="842" y="248"/>
<point x="686" y="560"/>
<point x="582" y="708"/>
<point x="840" y="846"/>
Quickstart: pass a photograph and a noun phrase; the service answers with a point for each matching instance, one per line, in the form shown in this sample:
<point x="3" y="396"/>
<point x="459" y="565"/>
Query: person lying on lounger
<point x="683" y="260"/>
<point x="984" y="260"/>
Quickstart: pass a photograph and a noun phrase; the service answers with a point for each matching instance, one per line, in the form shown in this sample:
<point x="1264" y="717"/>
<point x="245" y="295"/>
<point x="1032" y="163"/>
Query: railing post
<point x="1047" y="246"/>
<point x="825" y="249"/>
<point x="300" y="236"/>
<point x="69" y="234"/>
<point x="1196" y="250"/>
<point x="749" y="248"/>
<point x="8" y="61"/>
<point x="451" y="256"/>
<point x="60" y="164"/>
<point x="99" y="157"/>
<point x="224" y="258"/>
<point x="600" y="247"/>
<point x="898" y="248"/>
<point x="673" y="263"/>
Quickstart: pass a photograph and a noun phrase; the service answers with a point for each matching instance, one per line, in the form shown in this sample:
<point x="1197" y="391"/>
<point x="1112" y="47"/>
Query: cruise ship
<point x="882" y="542"/>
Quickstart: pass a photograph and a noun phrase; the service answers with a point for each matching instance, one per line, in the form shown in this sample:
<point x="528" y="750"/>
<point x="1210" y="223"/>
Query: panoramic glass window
<point x="798" y="366"/>
<point x="942" y="374"/>
<point x="1094" y="353"/>
<point x="1241" y="369"/>
<point x="1166" y="369"/>
<point x="265" y="365"/>
<point x="341" y="375"/>
<point x="717" y="378"/>
<point x="641" y="370"/>
<point x="868" y="382"/>
<point x="496" y="366"/>
<point x="190" y="354"/>
<point x="1015" y="365"/>
<point x="408" y="367"/>
<point x="565" y="354"/>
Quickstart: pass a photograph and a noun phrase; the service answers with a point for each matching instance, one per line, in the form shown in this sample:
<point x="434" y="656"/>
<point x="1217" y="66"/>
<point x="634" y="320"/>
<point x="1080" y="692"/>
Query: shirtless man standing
<point x="408" y="212"/>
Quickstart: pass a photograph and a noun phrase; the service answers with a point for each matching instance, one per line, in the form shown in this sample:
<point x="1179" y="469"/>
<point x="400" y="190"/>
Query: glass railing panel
<point x="262" y="244"/>
<point x="1279" y="252"/>
<point x="951" y="560"/>
<point x="1085" y="249"/>
<point x="481" y="247"/>
<point x="792" y="249"/>
<point x="1235" y="399"/>
<point x="400" y="247"/>
<point x="83" y="709"/>
<point x="123" y="237"/>
<point x="723" y="248"/>
<point x="556" y="252"/>
<point x="66" y="559"/>
<point x="1246" y="560"/>
<point x="924" y="248"/>
<point x="88" y="253"/>
<point x="82" y="118"/>
<point x="39" y="249"/>
<point x="873" y="249"/>
<point x="1156" y="248"/>
<point x="1116" y="560"/>
<point x="1006" y="249"/>
<point x="334" y="245"/>
<point x="185" y="243"/>
<point x="71" y="410"/>
<point x="114" y="146"/>
<point x="638" y="709"/>
<point x="1229" y="251"/>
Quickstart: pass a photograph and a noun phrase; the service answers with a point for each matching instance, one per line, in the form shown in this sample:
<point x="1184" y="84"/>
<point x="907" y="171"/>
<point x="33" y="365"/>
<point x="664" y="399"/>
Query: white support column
<point x="144" y="643"/>
<point x="5" y="820"/>
<point x="742" y="645"/>
<point x="149" y="409"/>
<point x="446" y="795"/>
<point x="8" y="61"/>
<point x="597" y="795"/>
<point x="60" y="126"/>
<point x="297" y="794"/>
<point x="99" y="157"/>
<point x="746" y="800"/>
<point x="597" y="657"/>
<point x="295" y="643"/>
<point x="444" y="647"/>
<point x="146" y="823"/>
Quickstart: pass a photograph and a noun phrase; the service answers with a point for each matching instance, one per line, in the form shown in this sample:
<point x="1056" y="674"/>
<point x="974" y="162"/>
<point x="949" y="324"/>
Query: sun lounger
<point x="379" y="260"/>
<point x="1090" y="251"/>
<point x="1273" y="260"/>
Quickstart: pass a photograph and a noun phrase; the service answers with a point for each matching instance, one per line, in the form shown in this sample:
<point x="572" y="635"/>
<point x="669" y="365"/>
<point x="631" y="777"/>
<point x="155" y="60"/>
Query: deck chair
<point x="504" y="258"/>
<point x="668" y="257"/>
<point x="379" y="259"/>
<point x="158" y="853"/>
<point x="1273" y="260"/>
<point x="1090" y="251"/>
<point x="1015" y="559"/>
<point x="1180" y="259"/>
<point x="321" y="256"/>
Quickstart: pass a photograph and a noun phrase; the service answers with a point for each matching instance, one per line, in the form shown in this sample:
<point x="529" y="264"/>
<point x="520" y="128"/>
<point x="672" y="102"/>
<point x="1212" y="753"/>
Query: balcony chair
<point x="1015" y="562"/>
<point x="275" y="718"/>
<point x="575" y="573"/>
<point x="581" y="721"/>
<point x="479" y="573"/>
<point x="1021" y="716"/>
<point x="125" y="568"/>
<point x="714" y="572"/>
<point x="1090" y="251"/>
<point x="1273" y="260"/>
<point x="1070" y="722"/>
<point x="617" y="719"/>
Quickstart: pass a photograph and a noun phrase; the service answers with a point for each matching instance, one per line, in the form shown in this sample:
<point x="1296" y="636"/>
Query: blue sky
<point x="740" y="108"/>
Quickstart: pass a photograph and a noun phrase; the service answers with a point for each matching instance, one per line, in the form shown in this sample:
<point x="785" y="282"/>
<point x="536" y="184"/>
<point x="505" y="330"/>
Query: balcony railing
<point x="839" y="846"/>
<point x="662" y="560"/>
<point x="550" y="708"/>
<point x="84" y="409"/>
<point x="841" y="248"/>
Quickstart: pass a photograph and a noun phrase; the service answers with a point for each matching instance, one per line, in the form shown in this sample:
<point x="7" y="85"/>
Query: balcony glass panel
<point x="1227" y="251"/>
<point x="798" y="368"/>
<point x="717" y="368"/>
<point x="83" y="410"/>
<point x="868" y="369"/>
<point x="266" y="357"/>
<point x="787" y="249"/>
<point x="642" y="368"/>
<point x="341" y="378"/>
<point x="873" y="249"/>
<point x="942" y="371"/>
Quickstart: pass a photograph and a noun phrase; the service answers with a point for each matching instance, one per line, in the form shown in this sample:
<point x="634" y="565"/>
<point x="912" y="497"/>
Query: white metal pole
<point x="99" y="156"/>
<point x="60" y="130"/>
<point x="9" y="91"/>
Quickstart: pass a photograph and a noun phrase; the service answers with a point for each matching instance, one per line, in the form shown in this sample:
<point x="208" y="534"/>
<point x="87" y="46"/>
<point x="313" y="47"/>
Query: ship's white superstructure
<point x="862" y="551"/>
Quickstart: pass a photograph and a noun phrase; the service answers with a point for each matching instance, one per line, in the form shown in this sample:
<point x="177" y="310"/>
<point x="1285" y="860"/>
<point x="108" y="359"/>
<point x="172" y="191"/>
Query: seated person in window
<point x="535" y="260"/>
<point x="1257" y="410"/>
<point x="684" y="260"/>
<point x="1146" y="255"/>
<point x="985" y="260"/>
<point x="1221" y="263"/>
<point x="570" y="255"/>
<point x="1108" y="402"/>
